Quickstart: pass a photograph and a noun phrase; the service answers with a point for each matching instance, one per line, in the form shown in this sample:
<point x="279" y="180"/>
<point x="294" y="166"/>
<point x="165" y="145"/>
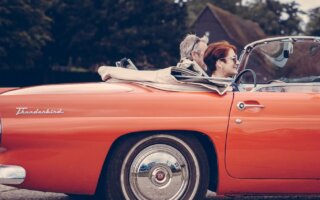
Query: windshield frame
<point x="245" y="53"/>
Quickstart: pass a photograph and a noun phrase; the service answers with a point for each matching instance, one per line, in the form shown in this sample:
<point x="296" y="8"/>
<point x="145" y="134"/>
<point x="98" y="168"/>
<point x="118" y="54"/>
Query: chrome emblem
<point x="37" y="111"/>
<point x="160" y="175"/>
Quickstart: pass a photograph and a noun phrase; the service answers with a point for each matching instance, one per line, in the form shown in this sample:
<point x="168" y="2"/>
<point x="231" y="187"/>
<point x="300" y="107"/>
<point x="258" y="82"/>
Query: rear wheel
<point x="159" y="166"/>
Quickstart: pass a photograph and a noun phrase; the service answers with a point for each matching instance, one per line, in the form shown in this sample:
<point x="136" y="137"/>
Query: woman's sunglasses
<point x="233" y="58"/>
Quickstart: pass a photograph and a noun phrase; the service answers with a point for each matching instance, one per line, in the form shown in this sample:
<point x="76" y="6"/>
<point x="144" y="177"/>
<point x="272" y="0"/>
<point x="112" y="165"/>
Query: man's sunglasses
<point x="194" y="44"/>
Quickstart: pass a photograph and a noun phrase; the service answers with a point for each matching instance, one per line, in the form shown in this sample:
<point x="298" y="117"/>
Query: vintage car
<point x="131" y="139"/>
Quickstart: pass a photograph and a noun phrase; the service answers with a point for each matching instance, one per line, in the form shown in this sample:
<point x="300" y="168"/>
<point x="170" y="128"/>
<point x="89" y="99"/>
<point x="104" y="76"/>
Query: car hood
<point x="80" y="88"/>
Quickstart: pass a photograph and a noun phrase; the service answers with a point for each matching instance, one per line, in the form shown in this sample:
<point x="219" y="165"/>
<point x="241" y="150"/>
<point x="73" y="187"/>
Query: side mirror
<point x="288" y="49"/>
<point x="286" y="54"/>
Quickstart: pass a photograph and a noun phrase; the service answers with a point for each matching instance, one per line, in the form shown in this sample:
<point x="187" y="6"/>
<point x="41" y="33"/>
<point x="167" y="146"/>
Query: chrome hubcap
<point x="159" y="172"/>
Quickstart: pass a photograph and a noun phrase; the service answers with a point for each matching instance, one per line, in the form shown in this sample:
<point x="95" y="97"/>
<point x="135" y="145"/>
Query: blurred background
<point x="58" y="41"/>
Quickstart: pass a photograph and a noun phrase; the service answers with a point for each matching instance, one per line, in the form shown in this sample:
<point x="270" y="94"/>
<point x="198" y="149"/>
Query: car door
<point x="274" y="129"/>
<point x="274" y="135"/>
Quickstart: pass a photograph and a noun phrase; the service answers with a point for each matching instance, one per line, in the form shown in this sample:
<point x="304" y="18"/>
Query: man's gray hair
<point x="190" y="44"/>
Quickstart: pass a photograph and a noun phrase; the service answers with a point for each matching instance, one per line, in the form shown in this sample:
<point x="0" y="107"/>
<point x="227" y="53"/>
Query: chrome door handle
<point x="242" y="106"/>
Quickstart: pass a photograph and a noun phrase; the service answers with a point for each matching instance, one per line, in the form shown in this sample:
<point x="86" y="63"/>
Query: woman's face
<point x="229" y="64"/>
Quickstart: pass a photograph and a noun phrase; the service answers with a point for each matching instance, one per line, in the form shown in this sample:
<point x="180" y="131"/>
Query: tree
<point x="274" y="18"/>
<point x="291" y="22"/>
<point x="313" y="27"/>
<point x="103" y="31"/>
<point x="25" y="30"/>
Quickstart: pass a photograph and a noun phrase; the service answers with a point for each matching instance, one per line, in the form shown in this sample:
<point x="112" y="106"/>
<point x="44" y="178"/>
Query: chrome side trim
<point x="12" y="174"/>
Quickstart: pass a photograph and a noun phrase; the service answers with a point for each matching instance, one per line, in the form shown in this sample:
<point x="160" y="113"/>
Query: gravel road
<point x="11" y="193"/>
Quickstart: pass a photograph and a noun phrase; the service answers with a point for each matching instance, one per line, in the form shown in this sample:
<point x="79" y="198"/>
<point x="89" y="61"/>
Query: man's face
<point x="198" y="56"/>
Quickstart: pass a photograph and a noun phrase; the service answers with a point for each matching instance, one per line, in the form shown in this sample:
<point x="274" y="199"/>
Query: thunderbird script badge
<point x="37" y="111"/>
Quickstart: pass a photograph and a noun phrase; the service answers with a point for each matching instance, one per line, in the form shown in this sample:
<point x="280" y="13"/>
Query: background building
<point x="220" y="24"/>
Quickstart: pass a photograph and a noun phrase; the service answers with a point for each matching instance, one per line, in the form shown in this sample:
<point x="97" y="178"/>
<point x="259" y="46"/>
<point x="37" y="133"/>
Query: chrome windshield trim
<point x="284" y="38"/>
<point x="12" y="174"/>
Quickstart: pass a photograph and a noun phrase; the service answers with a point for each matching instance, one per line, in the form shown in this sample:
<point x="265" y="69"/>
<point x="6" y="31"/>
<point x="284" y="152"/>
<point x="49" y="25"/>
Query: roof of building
<point x="240" y="30"/>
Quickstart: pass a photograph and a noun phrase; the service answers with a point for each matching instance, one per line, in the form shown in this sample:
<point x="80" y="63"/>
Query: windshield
<point x="286" y="61"/>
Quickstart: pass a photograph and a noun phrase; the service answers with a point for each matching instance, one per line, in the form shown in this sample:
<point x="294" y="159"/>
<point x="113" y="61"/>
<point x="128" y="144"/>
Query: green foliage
<point x="274" y="18"/>
<point x="104" y="31"/>
<point x="24" y="32"/>
<point x="230" y="5"/>
<point x="313" y="26"/>
<point x="86" y="33"/>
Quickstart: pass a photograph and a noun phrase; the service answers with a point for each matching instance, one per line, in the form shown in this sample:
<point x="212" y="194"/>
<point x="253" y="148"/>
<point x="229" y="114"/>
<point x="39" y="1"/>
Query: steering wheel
<point x="254" y="76"/>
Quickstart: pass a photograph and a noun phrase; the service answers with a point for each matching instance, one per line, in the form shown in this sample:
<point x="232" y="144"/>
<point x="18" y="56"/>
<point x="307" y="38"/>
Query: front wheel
<point x="155" y="167"/>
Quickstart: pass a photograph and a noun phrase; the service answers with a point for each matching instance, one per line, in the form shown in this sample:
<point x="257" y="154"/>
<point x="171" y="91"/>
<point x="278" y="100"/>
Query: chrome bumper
<point x="12" y="174"/>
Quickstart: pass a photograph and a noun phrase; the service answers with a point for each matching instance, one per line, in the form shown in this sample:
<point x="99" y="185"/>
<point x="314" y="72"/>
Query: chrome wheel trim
<point x="159" y="172"/>
<point x="156" y="172"/>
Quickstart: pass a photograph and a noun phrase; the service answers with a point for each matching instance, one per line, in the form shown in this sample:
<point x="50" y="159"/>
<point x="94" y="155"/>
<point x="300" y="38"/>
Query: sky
<point x="305" y="4"/>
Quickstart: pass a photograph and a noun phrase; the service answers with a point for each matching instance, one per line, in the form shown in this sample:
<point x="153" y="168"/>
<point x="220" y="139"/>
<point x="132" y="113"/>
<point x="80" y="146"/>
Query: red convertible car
<point x="127" y="139"/>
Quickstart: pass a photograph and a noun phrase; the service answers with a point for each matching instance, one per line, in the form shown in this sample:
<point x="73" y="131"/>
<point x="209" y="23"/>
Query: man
<point x="192" y="50"/>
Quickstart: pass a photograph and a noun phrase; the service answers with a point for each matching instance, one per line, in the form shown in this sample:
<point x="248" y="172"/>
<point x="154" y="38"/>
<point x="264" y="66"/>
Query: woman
<point x="221" y="59"/>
